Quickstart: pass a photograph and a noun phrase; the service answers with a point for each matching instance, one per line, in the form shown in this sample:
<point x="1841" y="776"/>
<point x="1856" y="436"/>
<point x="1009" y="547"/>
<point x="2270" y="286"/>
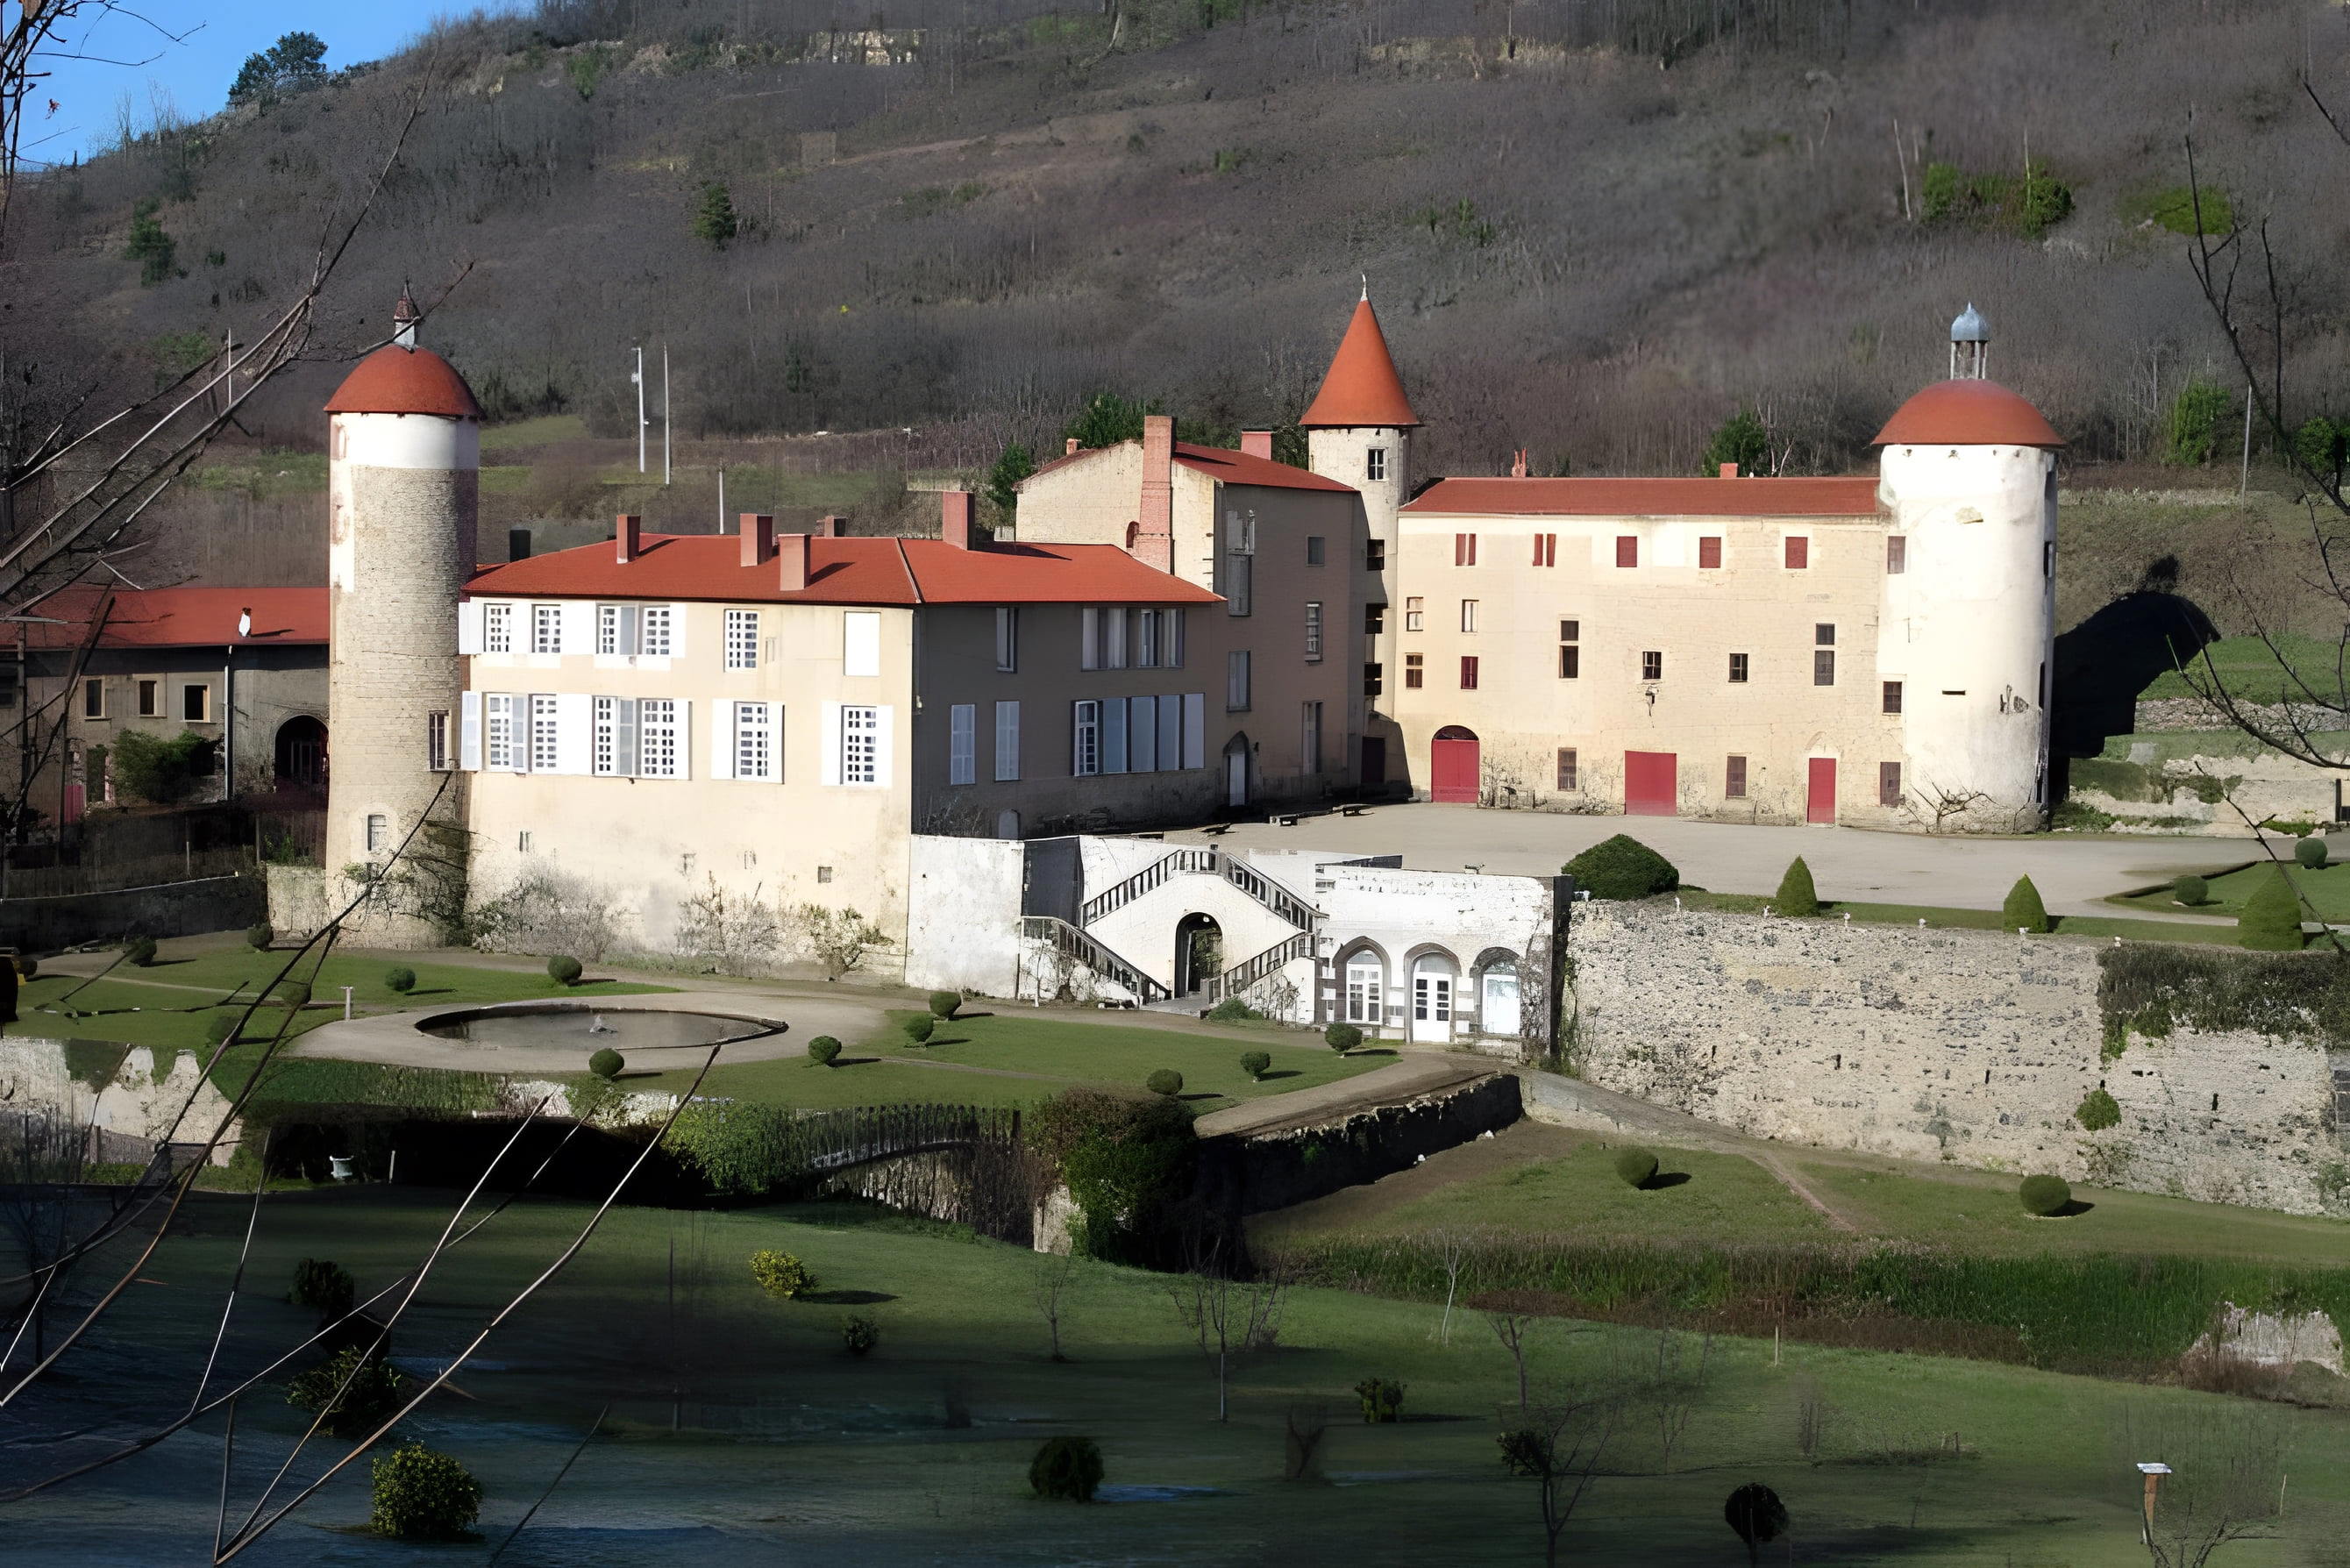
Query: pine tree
<point x="1741" y="440"/>
<point x="2024" y="910"/>
<point x="1002" y="480"/>
<point x="714" y="223"/>
<point x="2271" y="919"/>
<point x="1797" y="896"/>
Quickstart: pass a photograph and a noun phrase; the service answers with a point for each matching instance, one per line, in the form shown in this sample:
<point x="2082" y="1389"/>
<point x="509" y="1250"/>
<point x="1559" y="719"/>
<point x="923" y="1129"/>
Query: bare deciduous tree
<point x="1232" y="1319"/>
<point x="1055" y="1272"/>
<point x="2227" y="1473"/>
<point x="1558" y="1443"/>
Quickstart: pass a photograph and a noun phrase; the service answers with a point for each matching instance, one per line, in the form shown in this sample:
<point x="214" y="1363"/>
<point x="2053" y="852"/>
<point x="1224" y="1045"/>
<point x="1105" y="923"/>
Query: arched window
<point x="1497" y="1011"/>
<point x="1365" y="989"/>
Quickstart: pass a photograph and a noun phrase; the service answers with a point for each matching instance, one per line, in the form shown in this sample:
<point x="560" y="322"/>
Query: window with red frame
<point x="1464" y="549"/>
<point x="1468" y="672"/>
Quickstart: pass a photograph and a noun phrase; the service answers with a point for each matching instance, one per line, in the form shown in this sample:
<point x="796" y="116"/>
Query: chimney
<point x="1518" y="464"/>
<point x="517" y="544"/>
<point x="404" y="317"/>
<point x="826" y="527"/>
<point x="792" y="552"/>
<point x="628" y="534"/>
<point x="1069" y="447"/>
<point x="758" y="534"/>
<point x="1729" y="471"/>
<point x="1154" y="542"/>
<point x="1257" y="443"/>
<point x="954" y="518"/>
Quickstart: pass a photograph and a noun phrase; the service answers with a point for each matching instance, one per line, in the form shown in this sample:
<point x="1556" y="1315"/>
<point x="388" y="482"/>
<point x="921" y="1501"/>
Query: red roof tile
<point x="1362" y="386"/>
<point x="866" y="571"/>
<point x="396" y="381"/>
<point x="1239" y="468"/>
<point x="181" y="618"/>
<point x="1968" y="414"/>
<point x="1847" y="497"/>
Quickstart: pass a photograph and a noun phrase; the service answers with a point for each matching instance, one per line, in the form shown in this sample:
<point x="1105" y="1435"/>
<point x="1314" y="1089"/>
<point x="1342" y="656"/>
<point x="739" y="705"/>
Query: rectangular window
<point x="1007" y="637"/>
<point x="1468" y="672"/>
<point x="1312" y="631"/>
<point x="1141" y="716"/>
<point x="1113" y="636"/>
<point x="1570" y="662"/>
<point x="860" y="643"/>
<point x="1799" y="552"/>
<point x="544" y="755"/>
<point x="1374" y="680"/>
<point x="1709" y="552"/>
<point x="379" y="833"/>
<point x="1374" y="619"/>
<point x="1374" y="463"/>
<point x="654" y="631"/>
<point x="860" y="743"/>
<point x="150" y="698"/>
<point x="755" y="741"/>
<point x="1170" y="633"/>
<point x="742" y="640"/>
<point x="1314" y="549"/>
<point x="1085" y="739"/>
<point x="1464" y="549"/>
<point x="1089" y="639"/>
<point x="614" y="747"/>
<point x="1896" y="555"/>
<point x="1413" y="672"/>
<point x="1733" y="781"/>
<point x="1652" y="665"/>
<point x="1888" y="784"/>
<point x="1545" y="549"/>
<point x="1236" y="680"/>
<point x="1468" y="615"/>
<point x="497" y="628"/>
<point x="1628" y="549"/>
<point x="546" y="629"/>
<point x="196" y="703"/>
<point x="1823" y="667"/>
<point x="1570" y="631"/>
<point x="1239" y="563"/>
<point x="499" y="749"/>
<point x="1893" y="696"/>
<point x="1737" y="669"/>
<point x="962" y="743"/>
<point x="2048" y="559"/>
<point x="1309" y="736"/>
<point x="1413" y="616"/>
<point x="1569" y="776"/>
<point x="1007" y="741"/>
<point x="1146" y="638"/>
<point x="93" y="699"/>
<point x="662" y="749"/>
<point x="1824" y="634"/>
<point x="1375" y="554"/>
<point x="436" y="740"/>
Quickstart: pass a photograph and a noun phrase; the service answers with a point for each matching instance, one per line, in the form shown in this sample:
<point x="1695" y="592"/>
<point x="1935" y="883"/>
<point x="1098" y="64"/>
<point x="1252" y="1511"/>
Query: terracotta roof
<point x="1966" y="413"/>
<point x="1221" y="463"/>
<point x="181" y="618"/>
<point x="1362" y="386"/>
<point x="396" y="381"/>
<point x="1852" y="497"/>
<point x="844" y="572"/>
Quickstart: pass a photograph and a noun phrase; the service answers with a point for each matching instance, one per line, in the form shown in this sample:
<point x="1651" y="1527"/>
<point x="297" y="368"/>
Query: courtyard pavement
<point x="2073" y="874"/>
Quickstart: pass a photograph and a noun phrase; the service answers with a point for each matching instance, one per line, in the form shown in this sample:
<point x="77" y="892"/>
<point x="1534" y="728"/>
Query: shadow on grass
<point x="1368" y="1051"/>
<point x="845" y="1298"/>
<point x="1665" y="1179"/>
<point x="2076" y="1205"/>
<point x="935" y="1041"/>
<point x="427" y="990"/>
<point x="1269" y="1073"/>
<point x="1203" y="1095"/>
<point x="847" y="1061"/>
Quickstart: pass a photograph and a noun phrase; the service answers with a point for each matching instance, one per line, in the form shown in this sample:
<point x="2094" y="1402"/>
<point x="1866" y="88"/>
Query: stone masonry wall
<point x="1967" y="1046"/>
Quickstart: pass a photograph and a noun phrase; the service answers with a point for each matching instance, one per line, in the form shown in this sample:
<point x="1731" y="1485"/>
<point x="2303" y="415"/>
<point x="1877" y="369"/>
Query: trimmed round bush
<point x="1382" y="1400"/>
<point x="919" y="1027"/>
<point x="423" y="1494"/>
<point x="1758" y="1516"/>
<point x="859" y="1335"/>
<point x="824" y="1050"/>
<point x="1622" y="868"/>
<point x="1797" y="896"/>
<point x="2190" y="891"/>
<point x="2098" y="1111"/>
<point x="399" y="981"/>
<point x="1232" y="1010"/>
<point x="944" y="1003"/>
<point x="1635" y="1166"/>
<point x="258" y="935"/>
<point x="607" y="1062"/>
<point x="1164" y="1081"/>
<point x="782" y="1275"/>
<point x="2271" y="919"/>
<point x="1255" y="1062"/>
<point x="2044" y="1195"/>
<point x="1067" y="1469"/>
<point x="564" y="970"/>
<point x="139" y="951"/>
<point x="2310" y="853"/>
<point x="1342" y="1037"/>
<point x="2023" y="911"/>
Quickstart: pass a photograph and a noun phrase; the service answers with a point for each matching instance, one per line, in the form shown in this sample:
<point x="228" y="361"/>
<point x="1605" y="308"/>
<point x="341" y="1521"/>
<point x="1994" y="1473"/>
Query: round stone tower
<point x="1969" y="475"/>
<point x="403" y="460"/>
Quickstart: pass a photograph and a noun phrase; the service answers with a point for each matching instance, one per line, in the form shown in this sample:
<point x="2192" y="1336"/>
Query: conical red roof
<point x="1362" y="388"/>
<point x="1966" y="413"/>
<point x="396" y="381"/>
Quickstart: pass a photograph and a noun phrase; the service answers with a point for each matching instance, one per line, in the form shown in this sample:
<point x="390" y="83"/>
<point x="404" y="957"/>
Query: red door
<point x="1650" y="786"/>
<point x="1452" y="765"/>
<point x="1821" y="804"/>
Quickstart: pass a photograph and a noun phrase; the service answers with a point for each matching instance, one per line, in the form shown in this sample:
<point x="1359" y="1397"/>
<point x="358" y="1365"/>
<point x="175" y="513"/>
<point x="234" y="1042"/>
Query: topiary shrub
<point x="324" y="1286"/>
<point x="2023" y="911"/>
<point x="564" y="970"/>
<point x="1164" y="1081"/>
<point x="139" y="951"/>
<point x="859" y="1335"/>
<point x="1758" y="1516"/>
<point x="1342" y="1037"/>
<point x="423" y="1494"/>
<point x="1232" y="1010"/>
<point x="1635" y="1166"/>
<point x="944" y="1003"/>
<point x="399" y="981"/>
<point x="782" y="1275"/>
<point x="1068" y="1468"/>
<point x="2271" y="919"/>
<point x="1382" y="1400"/>
<point x="824" y="1051"/>
<point x="293" y="995"/>
<point x="2310" y="853"/>
<point x="919" y="1027"/>
<point x="1796" y="895"/>
<point x="2190" y="891"/>
<point x="2044" y="1195"/>
<point x="373" y="1392"/>
<point x="1255" y="1062"/>
<point x="1622" y="868"/>
<point x="2098" y="1111"/>
<point x="607" y="1062"/>
<point x="258" y="935"/>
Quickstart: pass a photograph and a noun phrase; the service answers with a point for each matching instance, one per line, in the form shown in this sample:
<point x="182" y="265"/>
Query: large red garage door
<point x="1820" y="803"/>
<point x="1650" y="786"/>
<point x="1452" y="765"/>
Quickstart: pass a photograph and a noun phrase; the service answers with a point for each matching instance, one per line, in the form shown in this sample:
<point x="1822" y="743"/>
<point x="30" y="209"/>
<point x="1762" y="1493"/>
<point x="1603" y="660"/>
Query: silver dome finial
<point x="1970" y="345"/>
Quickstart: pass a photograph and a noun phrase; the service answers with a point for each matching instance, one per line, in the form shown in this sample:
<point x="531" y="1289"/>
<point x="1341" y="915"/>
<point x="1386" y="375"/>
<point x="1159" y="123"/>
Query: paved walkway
<point x="1408" y="1079"/>
<point x="2073" y="873"/>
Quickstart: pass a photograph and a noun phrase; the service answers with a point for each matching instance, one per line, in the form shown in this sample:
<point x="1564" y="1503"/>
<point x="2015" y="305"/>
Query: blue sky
<point x="197" y="70"/>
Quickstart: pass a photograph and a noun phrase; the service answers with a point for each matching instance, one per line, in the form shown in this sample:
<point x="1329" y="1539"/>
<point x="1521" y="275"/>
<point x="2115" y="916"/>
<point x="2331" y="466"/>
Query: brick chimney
<point x="1518" y="464"/>
<point x="1154" y="541"/>
<point x="955" y="518"/>
<point x="1257" y="443"/>
<point x="1069" y="446"/>
<point x="1729" y="471"/>
<point x="826" y="527"/>
<point x="758" y="538"/>
<point x="792" y="557"/>
<point x="628" y="538"/>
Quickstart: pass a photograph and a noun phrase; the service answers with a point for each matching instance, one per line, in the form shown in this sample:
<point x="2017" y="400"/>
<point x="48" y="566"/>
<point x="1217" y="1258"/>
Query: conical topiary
<point x="1796" y="895"/>
<point x="2271" y="919"/>
<point x="2023" y="911"/>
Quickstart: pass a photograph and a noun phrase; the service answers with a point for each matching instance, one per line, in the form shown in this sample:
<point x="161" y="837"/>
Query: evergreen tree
<point x="1741" y="440"/>
<point x="149" y="246"/>
<point x="1016" y="464"/>
<point x="2024" y="910"/>
<point x="1796" y="895"/>
<point x="714" y="223"/>
<point x="2196" y="416"/>
<point x="2271" y="919"/>
<point x="296" y="63"/>
<point x="1107" y="419"/>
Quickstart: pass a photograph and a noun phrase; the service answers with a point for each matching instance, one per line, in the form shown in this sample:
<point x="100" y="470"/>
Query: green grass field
<point x="2250" y="669"/>
<point x="2328" y="891"/>
<point x="2103" y="926"/>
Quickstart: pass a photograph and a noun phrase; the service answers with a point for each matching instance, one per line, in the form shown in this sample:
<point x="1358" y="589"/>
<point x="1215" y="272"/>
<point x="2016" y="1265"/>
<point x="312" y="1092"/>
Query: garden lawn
<point x="2328" y="891"/>
<point x="2103" y="926"/>
<point x="2250" y="670"/>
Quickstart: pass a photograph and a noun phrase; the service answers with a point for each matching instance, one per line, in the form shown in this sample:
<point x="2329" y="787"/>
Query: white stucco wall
<point x="1403" y="915"/>
<point x="963" y="914"/>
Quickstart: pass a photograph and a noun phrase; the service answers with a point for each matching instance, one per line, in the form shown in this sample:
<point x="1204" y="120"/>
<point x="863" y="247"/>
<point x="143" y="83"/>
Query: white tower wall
<point x="1343" y="454"/>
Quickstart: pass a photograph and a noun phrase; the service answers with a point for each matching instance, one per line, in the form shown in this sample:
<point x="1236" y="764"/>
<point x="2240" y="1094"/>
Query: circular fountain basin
<point x="592" y="1025"/>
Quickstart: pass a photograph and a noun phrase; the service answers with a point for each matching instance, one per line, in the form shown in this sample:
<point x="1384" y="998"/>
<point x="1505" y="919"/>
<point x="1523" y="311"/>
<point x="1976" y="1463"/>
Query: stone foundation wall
<point x="1966" y="1046"/>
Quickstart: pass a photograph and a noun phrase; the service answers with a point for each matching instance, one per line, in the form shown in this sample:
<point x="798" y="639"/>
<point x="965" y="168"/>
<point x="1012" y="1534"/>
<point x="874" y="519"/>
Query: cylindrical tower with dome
<point x="1968" y="474"/>
<point x="404" y="451"/>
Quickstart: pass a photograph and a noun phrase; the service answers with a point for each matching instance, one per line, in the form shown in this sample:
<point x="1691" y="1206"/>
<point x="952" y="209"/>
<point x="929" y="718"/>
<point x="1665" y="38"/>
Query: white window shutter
<point x="518" y="726"/>
<point x="828" y="766"/>
<point x="775" y="742"/>
<point x="1195" y="727"/>
<point x="885" y="733"/>
<point x="575" y="730"/>
<point x="962" y="743"/>
<point x="860" y="642"/>
<point x="625" y="757"/>
<point x="469" y="628"/>
<point x="578" y="626"/>
<point x="684" y="740"/>
<point x="722" y="739"/>
<point x="469" y="724"/>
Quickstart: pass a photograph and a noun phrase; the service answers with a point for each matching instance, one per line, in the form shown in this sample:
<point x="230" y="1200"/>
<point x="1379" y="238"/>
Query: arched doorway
<point x="1007" y="824"/>
<point x="1453" y="766"/>
<point x="1199" y="952"/>
<point x="1236" y="771"/>
<point x="1433" y="977"/>
<point x="1367" y="990"/>
<point x="302" y="754"/>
